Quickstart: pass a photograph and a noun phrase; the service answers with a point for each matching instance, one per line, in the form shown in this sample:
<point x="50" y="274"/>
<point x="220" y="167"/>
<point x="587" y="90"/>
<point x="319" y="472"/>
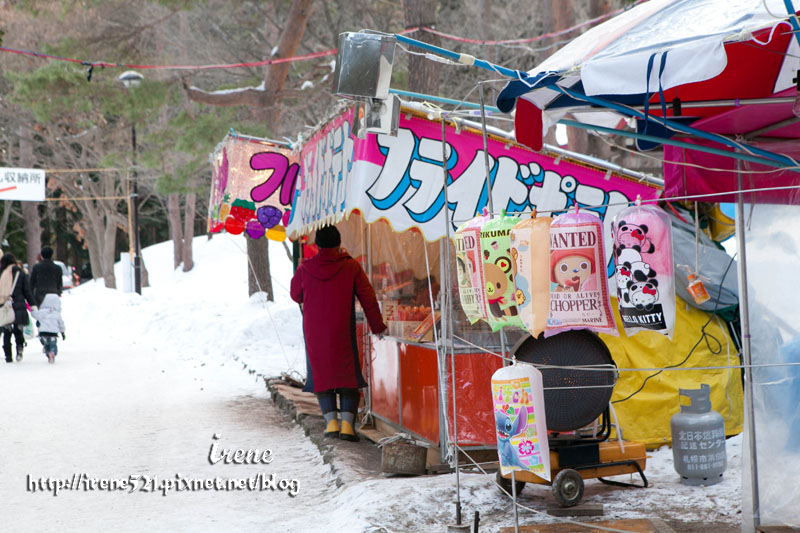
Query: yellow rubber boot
<point x="332" y="429"/>
<point x="348" y="432"/>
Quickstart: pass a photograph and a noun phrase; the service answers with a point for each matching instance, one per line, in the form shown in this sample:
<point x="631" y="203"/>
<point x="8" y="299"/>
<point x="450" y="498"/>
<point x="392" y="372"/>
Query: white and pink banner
<point x="401" y="179"/>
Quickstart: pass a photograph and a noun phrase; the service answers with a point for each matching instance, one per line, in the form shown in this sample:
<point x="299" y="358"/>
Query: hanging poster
<point x="578" y="284"/>
<point x="518" y="400"/>
<point x="644" y="270"/>
<point x="498" y="273"/>
<point x="252" y="188"/>
<point x="530" y="249"/>
<point x="467" y="240"/>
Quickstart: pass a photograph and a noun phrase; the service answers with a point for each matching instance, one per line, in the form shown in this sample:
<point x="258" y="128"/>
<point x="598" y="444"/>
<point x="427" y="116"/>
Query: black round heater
<point x="568" y="408"/>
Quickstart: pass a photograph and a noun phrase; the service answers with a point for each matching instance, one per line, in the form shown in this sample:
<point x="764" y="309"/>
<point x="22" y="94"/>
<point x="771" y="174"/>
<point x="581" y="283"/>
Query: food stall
<point x="386" y="194"/>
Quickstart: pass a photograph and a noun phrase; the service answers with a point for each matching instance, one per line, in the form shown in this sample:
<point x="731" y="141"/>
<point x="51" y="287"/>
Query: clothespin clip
<point x="90" y="71"/>
<point x="576" y="208"/>
<point x="557" y="160"/>
<point x="638" y="201"/>
<point x="533" y="213"/>
<point x="485" y="211"/>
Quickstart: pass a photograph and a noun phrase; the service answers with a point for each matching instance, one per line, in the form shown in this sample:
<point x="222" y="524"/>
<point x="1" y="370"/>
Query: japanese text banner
<point x="400" y="179"/>
<point x="25" y="184"/>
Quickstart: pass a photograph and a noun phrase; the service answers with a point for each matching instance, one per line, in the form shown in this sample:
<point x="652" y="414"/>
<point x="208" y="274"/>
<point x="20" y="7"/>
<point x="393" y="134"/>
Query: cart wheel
<point x="568" y="487"/>
<point x="505" y="483"/>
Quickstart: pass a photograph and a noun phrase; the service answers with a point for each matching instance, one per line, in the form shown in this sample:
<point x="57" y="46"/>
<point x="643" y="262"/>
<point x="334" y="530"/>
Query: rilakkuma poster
<point x="578" y="285"/>
<point x="498" y="273"/>
<point x="644" y="270"/>
<point x="530" y="249"/>
<point x="468" y="264"/>
<point x="518" y="400"/>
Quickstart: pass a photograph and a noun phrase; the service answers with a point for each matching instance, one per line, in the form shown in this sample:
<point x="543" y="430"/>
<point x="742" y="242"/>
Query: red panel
<point x="750" y="73"/>
<point x="474" y="398"/>
<point x="420" y="390"/>
<point x="383" y="382"/>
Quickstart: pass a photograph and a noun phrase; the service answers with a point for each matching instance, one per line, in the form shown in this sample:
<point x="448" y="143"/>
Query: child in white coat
<point x="50" y="324"/>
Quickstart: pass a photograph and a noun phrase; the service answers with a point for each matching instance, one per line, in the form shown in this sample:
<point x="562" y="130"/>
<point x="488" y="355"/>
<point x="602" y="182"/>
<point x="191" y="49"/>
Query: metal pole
<point x="502" y="333"/>
<point x="514" y="500"/>
<point x="486" y="152"/>
<point x="137" y="260"/>
<point x="446" y="318"/>
<point x="744" y="315"/>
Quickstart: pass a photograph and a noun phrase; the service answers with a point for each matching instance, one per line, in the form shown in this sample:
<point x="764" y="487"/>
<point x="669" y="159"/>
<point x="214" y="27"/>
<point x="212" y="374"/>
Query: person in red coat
<point x="326" y="285"/>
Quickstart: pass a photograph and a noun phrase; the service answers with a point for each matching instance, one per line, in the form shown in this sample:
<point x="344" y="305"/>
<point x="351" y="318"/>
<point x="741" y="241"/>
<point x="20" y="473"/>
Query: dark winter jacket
<point x="22" y="293"/>
<point x="46" y="278"/>
<point x="327" y="285"/>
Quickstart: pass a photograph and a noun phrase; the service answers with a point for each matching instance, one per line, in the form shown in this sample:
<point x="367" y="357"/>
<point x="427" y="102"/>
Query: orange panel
<point x="609" y="452"/>
<point x="383" y="382"/>
<point x="420" y="390"/>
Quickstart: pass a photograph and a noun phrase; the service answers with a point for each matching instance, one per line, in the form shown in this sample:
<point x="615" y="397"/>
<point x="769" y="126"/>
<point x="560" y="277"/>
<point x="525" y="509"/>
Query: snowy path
<point x="112" y="412"/>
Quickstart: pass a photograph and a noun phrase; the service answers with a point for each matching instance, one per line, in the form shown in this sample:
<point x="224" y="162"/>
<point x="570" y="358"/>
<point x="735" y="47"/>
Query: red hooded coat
<point x="327" y="285"/>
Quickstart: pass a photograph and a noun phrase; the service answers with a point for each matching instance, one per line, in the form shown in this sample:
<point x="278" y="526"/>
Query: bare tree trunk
<point x="145" y="274"/>
<point x="290" y="40"/>
<point x="188" y="231"/>
<point x="95" y="264"/>
<point x="4" y="219"/>
<point x="258" y="268"/>
<point x="108" y="247"/>
<point x="175" y="232"/>
<point x="423" y="74"/>
<point x="30" y="210"/>
<point x="266" y="105"/>
<point x="599" y="7"/>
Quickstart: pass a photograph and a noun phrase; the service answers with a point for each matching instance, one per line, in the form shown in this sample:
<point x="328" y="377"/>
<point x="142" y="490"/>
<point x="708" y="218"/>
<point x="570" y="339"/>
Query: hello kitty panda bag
<point x="579" y="295"/>
<point x="644" y="269"/>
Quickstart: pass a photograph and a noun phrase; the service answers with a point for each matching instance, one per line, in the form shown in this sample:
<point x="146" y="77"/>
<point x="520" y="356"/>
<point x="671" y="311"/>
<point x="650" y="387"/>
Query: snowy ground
<point x="142" y="383"/>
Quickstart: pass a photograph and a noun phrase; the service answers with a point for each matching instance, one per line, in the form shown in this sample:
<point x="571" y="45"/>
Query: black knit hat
<point x="328" y="237"/>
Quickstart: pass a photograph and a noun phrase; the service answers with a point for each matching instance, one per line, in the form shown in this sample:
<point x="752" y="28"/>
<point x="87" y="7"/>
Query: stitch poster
<point x="578" y="284"/>
<point x="467" y="242"/>
<point x="498" y="273"/>
<point x="518" y="400"/>
<point x="530" y="249"/>
<point x="644" y="270"/>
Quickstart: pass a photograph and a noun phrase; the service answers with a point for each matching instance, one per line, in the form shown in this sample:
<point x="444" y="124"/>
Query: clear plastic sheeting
<point x="771" y="255"/>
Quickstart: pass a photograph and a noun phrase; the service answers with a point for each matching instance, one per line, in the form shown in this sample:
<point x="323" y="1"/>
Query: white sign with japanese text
<point x="25" y="184"/>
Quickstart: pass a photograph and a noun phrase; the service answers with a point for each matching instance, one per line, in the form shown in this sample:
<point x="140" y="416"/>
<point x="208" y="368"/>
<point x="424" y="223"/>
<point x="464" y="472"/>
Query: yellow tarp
<point x="645" y="417"/>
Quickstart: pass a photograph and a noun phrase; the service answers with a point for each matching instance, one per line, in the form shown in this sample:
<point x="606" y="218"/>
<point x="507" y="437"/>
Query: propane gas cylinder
<point x="698" y="439"/>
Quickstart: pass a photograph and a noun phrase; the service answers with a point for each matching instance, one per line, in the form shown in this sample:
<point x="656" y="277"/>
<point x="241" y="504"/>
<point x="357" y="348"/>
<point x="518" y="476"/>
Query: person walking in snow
<point x="50" y="325"/>
<point x="46" y="276"/>
<point x="14" y="284"/>
<point x="326" y="285"/>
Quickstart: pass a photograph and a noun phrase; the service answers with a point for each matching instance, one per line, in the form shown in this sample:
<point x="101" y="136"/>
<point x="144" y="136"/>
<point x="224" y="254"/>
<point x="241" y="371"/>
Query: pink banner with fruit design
<point x="252" y="188"/>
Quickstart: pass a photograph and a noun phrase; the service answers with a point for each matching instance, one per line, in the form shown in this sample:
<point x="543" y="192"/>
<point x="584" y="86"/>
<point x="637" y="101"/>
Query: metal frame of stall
<point x="764" y="157"/>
